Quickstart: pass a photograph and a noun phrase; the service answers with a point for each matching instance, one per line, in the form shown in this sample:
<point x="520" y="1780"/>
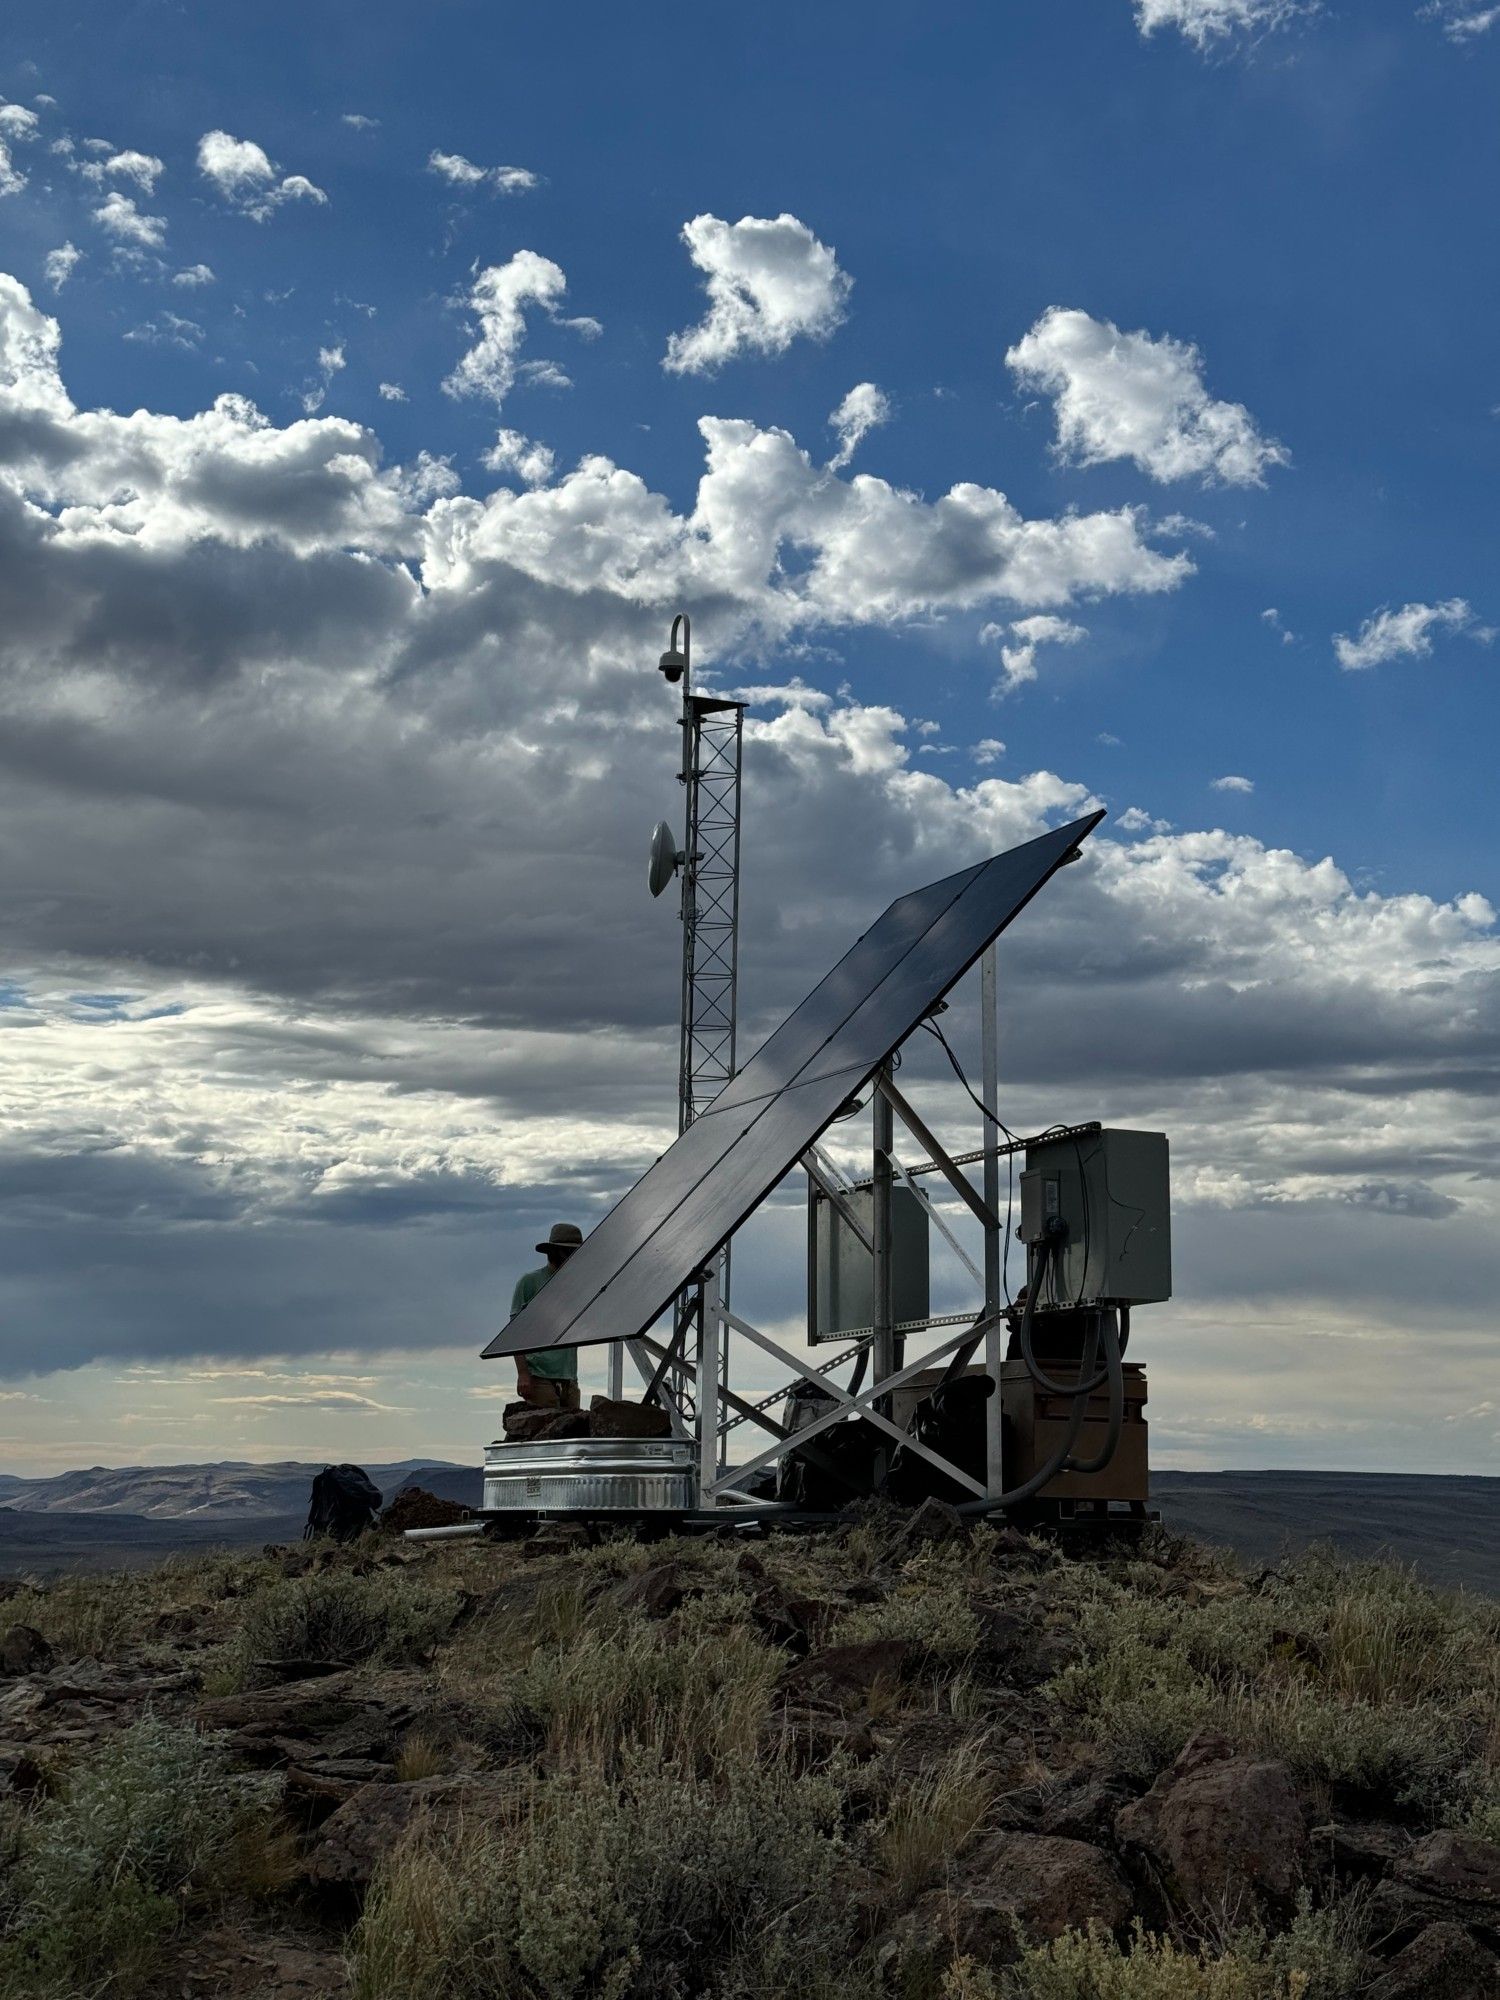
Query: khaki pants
<point x="548" y="1395"/>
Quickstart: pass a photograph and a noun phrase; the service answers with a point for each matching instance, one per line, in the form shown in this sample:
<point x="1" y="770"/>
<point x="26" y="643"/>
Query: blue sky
<point x="1287" y="218"/>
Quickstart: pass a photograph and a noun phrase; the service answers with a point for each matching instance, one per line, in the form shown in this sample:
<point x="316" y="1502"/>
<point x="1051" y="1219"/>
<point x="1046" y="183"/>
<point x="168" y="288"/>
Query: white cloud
<point x="459" y="172"/>
<point x="769" y="281"/>
<point x="1126" y="395"/>
<point x="330" y="362"/>
<point x="988" y="750"/>
<point x="1233" y="784"/>
<point x="1390" y="635"/>
<point x="392" y="392"/>
<point x="358" y="121"/>
<point x="1461" y="20"/>
<point x="17" y="123"/>
<point x="119" y="215"/>
<point x="1018" y="654"/>
<point x="313" y="1399"/>
<point x="499" y="298"/>
<point x="863" y="410"/>
<point x="58" y="265"/>
<point x="1135" y="819"/>
<point x="142" y="168"/>
<point x="1272" y="617"/>
<point x="1207" y="21"/>
<point x="247" y="179"/>
<point x="193" y="275"/>
<point x="531" y="462"/>
<point x="168" y="329"/>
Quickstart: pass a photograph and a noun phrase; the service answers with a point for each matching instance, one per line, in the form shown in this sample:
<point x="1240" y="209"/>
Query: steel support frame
<point x="719" y="1481"/>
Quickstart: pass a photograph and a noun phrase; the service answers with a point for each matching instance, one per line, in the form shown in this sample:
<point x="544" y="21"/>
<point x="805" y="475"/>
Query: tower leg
<point x="994" y="1347"/>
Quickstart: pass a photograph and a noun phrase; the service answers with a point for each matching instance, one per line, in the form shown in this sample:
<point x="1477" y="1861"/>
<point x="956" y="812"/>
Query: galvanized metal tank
<point x="626" y="1475"/>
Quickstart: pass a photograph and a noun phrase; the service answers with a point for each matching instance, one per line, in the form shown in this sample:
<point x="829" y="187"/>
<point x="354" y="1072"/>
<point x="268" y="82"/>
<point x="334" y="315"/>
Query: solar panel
<point x="703" y="1187"/>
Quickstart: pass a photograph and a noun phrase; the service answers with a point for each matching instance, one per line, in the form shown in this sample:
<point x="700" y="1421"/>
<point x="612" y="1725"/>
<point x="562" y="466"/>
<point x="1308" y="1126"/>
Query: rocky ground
<point x="906" y="1758"/>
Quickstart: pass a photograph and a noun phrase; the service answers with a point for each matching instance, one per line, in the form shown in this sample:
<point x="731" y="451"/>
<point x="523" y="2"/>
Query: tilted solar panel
<point x="704" y="1186"/>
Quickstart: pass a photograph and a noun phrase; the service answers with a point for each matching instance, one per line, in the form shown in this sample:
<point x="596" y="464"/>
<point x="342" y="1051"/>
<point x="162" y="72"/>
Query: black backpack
<point x="345" y="1501"/>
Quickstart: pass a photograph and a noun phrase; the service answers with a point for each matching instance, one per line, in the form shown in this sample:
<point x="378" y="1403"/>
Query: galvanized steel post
<point x="994" y="1349"/>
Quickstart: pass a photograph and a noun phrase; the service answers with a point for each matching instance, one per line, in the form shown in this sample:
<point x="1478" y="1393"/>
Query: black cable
<point x="1010" y="1159"/>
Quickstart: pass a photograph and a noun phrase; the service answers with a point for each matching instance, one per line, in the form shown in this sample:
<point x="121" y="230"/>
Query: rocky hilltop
<point x="906" y="1758"/>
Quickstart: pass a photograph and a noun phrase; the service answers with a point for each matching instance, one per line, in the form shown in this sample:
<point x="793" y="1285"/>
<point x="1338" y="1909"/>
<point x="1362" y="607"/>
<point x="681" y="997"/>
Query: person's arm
<point x="525" y="1381"/>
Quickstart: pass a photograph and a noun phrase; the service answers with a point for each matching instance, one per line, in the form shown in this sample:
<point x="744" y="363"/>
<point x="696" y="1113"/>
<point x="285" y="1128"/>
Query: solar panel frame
<point x="688" y="1204"/>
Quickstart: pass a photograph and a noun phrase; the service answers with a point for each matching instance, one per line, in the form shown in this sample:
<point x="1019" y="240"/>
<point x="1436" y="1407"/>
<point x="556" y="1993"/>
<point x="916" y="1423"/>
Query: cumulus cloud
<point x="1204" y="22"/>
<point x="192" y="276"/>
<point x="459" y="172"/>
<point x="1018" y="643"/>
<point x="17" y="126"/>
<point x="988" y="750"/>
<point x="358" y="121"/>
<point x="392" y="392"/>
<point x="532" y="463"/>
<point x="118" y="215"/>
<point x="769" y="282"/>
<point x="1391" y="635"/>
<point x="1127" y="395"/>
<point x="498" y="299"/>
<point x="246" y="179"/>
<point x="58" y="265"/>
<point x="1135" y="819"/>
<point x="863" y="410"/>
<point x="1232" y="783"/>
<point x="144" y="169"/>
<point x="284" y="727"/>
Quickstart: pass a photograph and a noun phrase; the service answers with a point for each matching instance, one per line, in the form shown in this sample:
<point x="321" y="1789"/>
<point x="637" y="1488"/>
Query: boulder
<point x="1361" y="1847"/>
<point x="1038" y="1882"/>
<point x="1442" y="1962"/>
<point x="934" y="1521"/>
<point x="522" y="1423"/>
<point x="358" y="1834"/>
<point x="609" y="1419"/>
<point x="844" y="1676"/>
<point x="654" y="1592"/>
<point x="1084" y="1808"/>
<point x="1225" y="1832"/>
<point x="415" y="1507"/>
<point x="23" y="1650"/>
<point x="1448" y="1877"/>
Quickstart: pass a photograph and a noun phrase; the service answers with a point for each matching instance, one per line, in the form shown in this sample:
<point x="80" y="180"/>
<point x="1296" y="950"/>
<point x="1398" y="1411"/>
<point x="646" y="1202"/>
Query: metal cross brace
<point x="845" y="1404"/>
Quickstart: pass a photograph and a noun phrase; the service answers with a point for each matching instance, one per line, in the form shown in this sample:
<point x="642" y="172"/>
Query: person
<point x="548" y="1379"/>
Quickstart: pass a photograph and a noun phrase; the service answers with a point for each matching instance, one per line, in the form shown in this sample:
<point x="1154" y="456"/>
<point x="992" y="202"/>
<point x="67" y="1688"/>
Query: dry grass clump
<point x="696" y="1688"/>
<point x="1358" y="1675"/>
<point x="928" y="1823"/>
<point x="97" y="1874"/>
<point x="648" y="1885"/>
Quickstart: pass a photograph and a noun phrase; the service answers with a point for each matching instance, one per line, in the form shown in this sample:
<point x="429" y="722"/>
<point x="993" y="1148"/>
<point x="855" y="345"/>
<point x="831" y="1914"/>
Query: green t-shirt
<point x="548" y="1364"/>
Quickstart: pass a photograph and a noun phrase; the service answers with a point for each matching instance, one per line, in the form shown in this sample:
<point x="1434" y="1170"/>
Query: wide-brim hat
<point x="562" y="1236"/>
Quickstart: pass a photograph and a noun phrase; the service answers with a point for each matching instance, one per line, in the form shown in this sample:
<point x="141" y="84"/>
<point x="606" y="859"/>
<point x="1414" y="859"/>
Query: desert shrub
<point x="1357" y="1674"/>
<point x="1319" y="1957"/>
<point x="342" y="1616"/>
<point x="932" y="1613"/>
<point x="92" y="1892"/>
<point x="646" y="1886"/>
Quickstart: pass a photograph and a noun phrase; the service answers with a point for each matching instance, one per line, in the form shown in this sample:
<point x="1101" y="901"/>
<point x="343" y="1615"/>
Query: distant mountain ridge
<point x="231" y="1490"/>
